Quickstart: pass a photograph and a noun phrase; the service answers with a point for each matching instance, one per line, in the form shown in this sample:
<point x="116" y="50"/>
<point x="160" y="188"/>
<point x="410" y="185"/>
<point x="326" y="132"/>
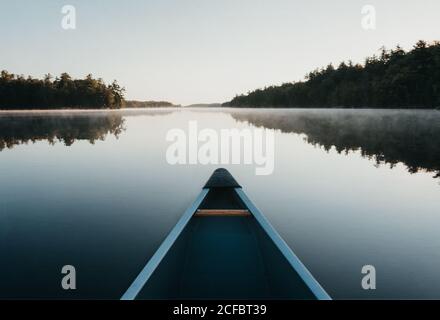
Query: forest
<point x="18" y="92"/>
<point x="393" y="79"/>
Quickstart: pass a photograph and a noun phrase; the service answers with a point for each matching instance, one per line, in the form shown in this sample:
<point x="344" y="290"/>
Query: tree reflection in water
<point x="66" y="128"/>
<point x="409" y="137"/>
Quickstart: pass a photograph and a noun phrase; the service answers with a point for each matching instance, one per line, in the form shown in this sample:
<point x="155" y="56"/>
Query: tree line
<point x="18" y="92"/>
<point x="394" y="79"/>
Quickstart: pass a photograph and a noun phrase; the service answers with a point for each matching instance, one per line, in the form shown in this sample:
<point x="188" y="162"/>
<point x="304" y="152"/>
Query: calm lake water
<point x="94" y="190"/>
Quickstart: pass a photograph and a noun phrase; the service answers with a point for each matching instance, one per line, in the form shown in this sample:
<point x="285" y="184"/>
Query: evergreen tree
<point x="394" y="79"/>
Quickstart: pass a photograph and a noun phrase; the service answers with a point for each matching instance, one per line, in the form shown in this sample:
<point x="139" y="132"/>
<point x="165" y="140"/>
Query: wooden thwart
<point x="222" y="213"/>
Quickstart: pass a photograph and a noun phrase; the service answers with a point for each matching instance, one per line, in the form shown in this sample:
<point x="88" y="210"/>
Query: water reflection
<point x="66" y="127"/>
<point x="409" y="137"/>
<point x="391" y="137"/>
<point x="105" y="209"/>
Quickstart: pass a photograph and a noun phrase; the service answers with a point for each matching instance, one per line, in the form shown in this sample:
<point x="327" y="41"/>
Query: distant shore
<point x="5" y="110"/>
<point x="73" y="110"/>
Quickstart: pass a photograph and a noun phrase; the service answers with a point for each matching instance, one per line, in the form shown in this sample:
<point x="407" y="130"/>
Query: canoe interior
<point x="224" y="257"/>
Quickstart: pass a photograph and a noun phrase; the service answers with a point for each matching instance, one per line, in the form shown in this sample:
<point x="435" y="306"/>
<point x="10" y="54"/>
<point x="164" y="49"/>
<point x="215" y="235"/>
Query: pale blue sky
<point x="202" y="50"/>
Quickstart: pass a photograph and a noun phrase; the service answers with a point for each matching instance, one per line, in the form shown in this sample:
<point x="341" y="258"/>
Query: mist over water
<point x="94" y="190"/>
<point x="387" y="136"/>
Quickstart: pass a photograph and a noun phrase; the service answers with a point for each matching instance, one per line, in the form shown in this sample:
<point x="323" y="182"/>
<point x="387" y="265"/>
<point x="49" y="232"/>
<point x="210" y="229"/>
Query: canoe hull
<point x="224" y="248"/>
<point x="225" y="258"/>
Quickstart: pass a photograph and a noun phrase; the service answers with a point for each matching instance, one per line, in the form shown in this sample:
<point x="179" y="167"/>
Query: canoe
<point x="224" y="248"/>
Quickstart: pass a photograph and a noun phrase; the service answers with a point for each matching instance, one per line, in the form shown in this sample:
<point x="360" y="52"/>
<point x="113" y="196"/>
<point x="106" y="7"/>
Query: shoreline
<point x="4" y="111"/>
<point x="73" y="110"/>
